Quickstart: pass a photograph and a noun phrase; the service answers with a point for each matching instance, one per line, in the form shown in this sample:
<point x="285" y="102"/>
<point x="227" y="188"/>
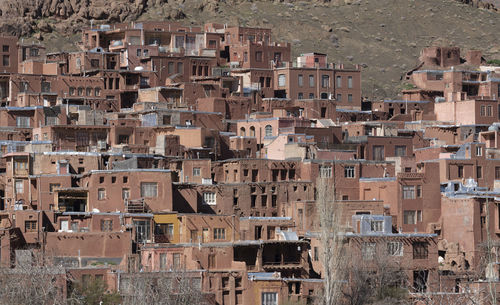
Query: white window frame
<point x="269" y="298"/>
<point x="408" y="191"/>
<point x="281" y="80"/>
<point x="349" y="172"/>
<point x="395" y="248"/>
<point x="19" y="186"/>
<point x="23" y="121"/>
<point x="101" y="194"/>
<point x="209" y="198"/>
<point x="196" y="171"/>
<point x="410" y="217"/>
<point x="377" y="226"/>
<point x="325" y="171"/>
<point x="149" y="193"/>
<point x="268" y="131"/>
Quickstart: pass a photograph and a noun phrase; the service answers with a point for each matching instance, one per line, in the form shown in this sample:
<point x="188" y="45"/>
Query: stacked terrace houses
<point x="160" y="147"/>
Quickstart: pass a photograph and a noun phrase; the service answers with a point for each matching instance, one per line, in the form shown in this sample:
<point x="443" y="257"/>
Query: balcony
<point x="136" y="206"/>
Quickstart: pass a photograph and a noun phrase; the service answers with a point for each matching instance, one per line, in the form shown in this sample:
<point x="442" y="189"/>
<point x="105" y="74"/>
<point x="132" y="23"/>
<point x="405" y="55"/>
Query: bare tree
<point x="374" y="277"/>
<point x="163" y="288"/>
<point x="34" y="280"/>
<point x="331" y="238"/>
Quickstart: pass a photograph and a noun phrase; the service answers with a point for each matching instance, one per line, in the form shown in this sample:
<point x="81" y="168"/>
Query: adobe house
<point x="129" y="190"/>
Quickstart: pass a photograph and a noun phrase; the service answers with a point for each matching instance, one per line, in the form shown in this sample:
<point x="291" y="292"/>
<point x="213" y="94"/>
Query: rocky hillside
<point x="384" y="36"/>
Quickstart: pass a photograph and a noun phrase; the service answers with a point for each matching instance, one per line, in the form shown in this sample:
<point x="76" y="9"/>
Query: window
<point x="125" y="193"/>
<point x="196" y="171"/>
<point x="164" y="230"/>
<point x="460" y="171"/>
<point x="94" y="63"/>
<point x="281" y="80"/>
<point x="180" y="67"/>
<point x="489" y="111"/>
<point x="325" y="172"/>
<point x="142" y="230"/>
<point x="410" y="217"/>
<point x="419" y="191"/>
<point x="483" y="110"/>
<point x="311" y="80"/>
<point x="170" y="68"/>
<point x="23" y="87"/>
<point x="80" y="91"/>
<point x="349" y="98"/>
<point x="339" y="97"/>
<point x="5" y="48"/>
<point x="269" y="131"/>
<point x="325" y="81"/>
<point x="245" y="56"/>
<point x="149" y="189"/>
<point x="23" y="121"/>
<point x="219" y="233"/>
<point x="479" y="151"/>
<point x="420" y="250"/>
<point x="258" y="56"/>
<point x="139" y="52"/>
<point x="378" y="153"/>
<point x="395" y="248"/>
<point x="339" y="81"/>
<point x="45" y="86"/>
<point x="316" y="254"/>
<point x="97" y="91"/>
<point x="377" y="226"/>
<point x="163" y="261"/>
<point x="349" y="82"/>
<point x="400" y="151"/>
<point x="301" y="80"/>
<point x="368" y="250"/>
<point x="408" y="192"/>
<point x="52" y="186"/>
<point x="497" y="173"/>
<point x="349" y="172"/>
<point x="311" y="96"/>
<point x="30" y="226"/>
<point x="144" y="81"/>
<point x="269" y="298"/>
<point x="146" y="53"/>
<point x="88" y="91"/>
<point x="300" y="96"/>
<point x="6" y="60"/>
<point x="106" y="225"/>
<point x="479" y="171"/>
<point x="101" y="194"/>
<point x="19" y="184"/>
<point x="209" y="198"/>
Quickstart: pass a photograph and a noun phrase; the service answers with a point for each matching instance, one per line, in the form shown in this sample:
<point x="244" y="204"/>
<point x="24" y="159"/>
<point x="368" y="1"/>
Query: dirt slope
<point x="385" y="36"/>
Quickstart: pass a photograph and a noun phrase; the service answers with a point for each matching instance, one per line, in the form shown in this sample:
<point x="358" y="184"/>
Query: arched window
<point x="252" y="131"/>
<point x="269" y="130"/>
<point x="242" y="131"/>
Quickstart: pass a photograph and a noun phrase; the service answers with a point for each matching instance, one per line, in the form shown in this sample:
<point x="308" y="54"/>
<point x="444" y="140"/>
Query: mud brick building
<point x="160" y="149"/>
